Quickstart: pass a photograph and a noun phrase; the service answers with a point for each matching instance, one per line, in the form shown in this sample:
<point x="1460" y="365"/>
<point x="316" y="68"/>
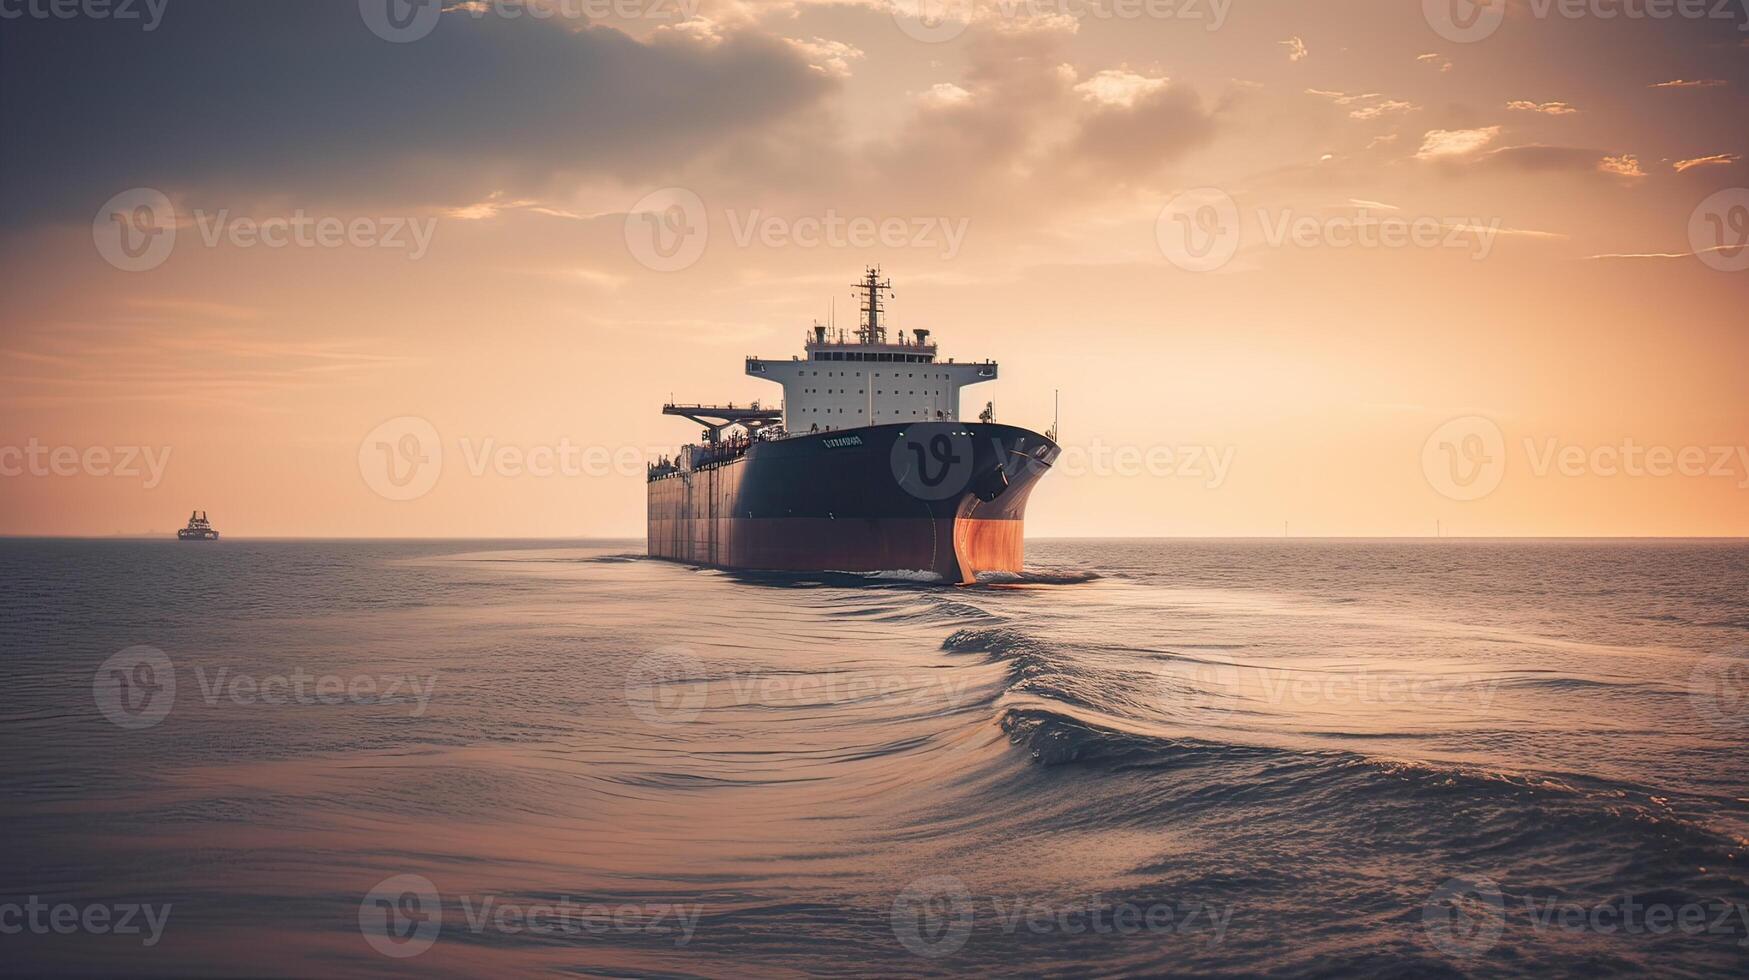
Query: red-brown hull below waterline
<point x="956" y="548"/>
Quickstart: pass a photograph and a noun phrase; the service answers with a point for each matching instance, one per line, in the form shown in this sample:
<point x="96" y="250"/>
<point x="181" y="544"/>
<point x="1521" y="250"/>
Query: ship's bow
<point x="975" y="480"/>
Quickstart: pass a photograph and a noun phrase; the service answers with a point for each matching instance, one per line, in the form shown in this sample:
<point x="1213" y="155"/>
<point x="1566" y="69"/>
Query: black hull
<point x="942" y="497"/>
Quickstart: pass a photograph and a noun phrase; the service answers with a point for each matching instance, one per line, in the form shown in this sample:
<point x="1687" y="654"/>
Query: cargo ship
<point x="198" y="529"/>
<point x="864" y="466"/>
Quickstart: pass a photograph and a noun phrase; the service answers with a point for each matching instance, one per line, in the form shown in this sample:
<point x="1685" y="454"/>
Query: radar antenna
<point x="872" y="285"/>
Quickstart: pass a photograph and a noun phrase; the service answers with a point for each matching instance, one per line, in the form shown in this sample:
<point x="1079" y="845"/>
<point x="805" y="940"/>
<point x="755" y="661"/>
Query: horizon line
<point x="170" y="536"/>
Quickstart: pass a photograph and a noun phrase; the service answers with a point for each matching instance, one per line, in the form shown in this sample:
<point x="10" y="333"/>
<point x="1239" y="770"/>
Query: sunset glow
<point x="1541" y="228"/>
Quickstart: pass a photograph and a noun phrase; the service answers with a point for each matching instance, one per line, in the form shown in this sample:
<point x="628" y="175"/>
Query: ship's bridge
<point x="848" y="381"/>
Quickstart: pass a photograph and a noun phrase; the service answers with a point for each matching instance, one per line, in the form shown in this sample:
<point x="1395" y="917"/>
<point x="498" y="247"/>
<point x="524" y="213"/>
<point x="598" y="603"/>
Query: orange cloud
<point x="1443" y="143"/>
<point x="1546" y="108"/>
<point x="1717" y="159"/>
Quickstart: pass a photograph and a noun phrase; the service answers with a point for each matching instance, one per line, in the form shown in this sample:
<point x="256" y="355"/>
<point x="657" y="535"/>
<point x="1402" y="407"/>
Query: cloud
<point x="832" y="58"/>
<point x="1433" y="60"/>
<point x="1367" y="105"/>
<point x="1538" y="158"/>
<point x="1717" y="159"/>
<point x="247" y="101"/>
<point x="1626" y="165"/>
<point x="1686" y="83"/>
<point x="1385" y="108"/>
<point x="1134" y="140"/>
<point x="1119" y="88"/>
<point x="1296" y="48"/>
<point x="944" y="95"/>
<point x="1440" y="144"/>
<point x="1018" y="136"/>
<point x="1546" y="108"/>
<point x="1665" y="255"/>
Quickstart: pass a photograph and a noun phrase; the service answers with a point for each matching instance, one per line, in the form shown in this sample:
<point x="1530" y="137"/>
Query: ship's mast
<point x="871" y="331"/>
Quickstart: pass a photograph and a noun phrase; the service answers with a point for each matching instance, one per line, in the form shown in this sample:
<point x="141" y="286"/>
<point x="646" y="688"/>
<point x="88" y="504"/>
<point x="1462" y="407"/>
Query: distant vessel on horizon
<point x="865" y="466"/>
<point x="198" y="529"/>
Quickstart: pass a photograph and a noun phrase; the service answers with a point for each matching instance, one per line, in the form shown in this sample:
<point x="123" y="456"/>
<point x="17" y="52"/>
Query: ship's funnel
<point x="922" y="336"/>
<point x="819" y="334"/>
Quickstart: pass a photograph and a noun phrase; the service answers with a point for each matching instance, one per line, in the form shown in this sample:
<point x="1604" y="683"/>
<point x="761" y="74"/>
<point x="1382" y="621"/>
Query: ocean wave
<point x="1542" y="820"/>
<point x="1038" y="577"/>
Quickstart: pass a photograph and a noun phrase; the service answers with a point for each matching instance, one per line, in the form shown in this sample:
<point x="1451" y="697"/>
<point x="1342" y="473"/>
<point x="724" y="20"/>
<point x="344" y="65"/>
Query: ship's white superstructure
<point x="849" y="381"/>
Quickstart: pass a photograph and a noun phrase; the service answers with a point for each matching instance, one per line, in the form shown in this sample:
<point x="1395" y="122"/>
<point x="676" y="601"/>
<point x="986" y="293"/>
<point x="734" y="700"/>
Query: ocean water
<point x="1142" y="757"/>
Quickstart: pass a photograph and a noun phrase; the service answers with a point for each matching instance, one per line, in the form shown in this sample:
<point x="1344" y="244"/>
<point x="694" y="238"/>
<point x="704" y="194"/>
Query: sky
<point x="1330" y="267"/>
